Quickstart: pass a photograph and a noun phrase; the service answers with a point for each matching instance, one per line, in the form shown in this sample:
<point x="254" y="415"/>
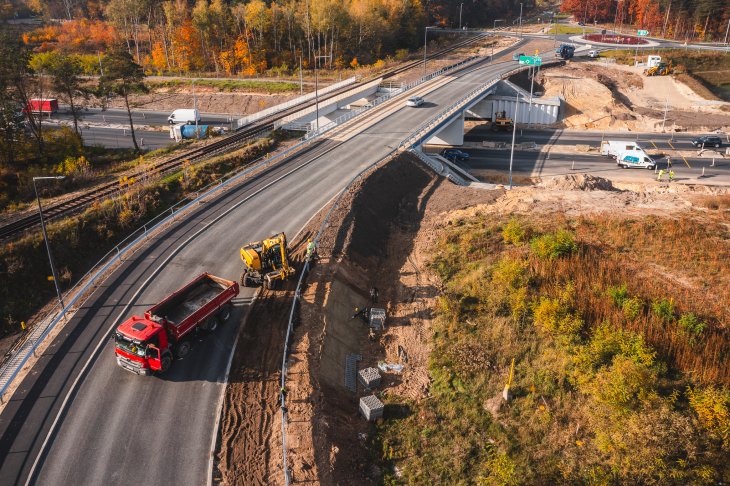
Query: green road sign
<point x="531" y="60"/>
<point x="642" y="32"/>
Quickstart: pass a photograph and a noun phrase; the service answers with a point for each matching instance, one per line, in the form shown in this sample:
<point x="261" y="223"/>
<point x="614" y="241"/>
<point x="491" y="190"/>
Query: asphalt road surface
<point x="118" y="427"/>
<point x="140" y="117"/>
<point x="116" y="138"/>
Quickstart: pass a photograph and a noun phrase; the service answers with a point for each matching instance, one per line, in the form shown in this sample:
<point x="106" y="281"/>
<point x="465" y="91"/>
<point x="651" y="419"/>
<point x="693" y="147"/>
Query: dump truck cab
<point x="142" y="346"/>
<point x="266" y="262"/>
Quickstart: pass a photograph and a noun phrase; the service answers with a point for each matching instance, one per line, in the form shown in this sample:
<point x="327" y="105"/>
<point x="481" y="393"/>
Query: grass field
<point x="230" y="85"/>
<point x="621" y="372"/>
<point x="569" y="29"/>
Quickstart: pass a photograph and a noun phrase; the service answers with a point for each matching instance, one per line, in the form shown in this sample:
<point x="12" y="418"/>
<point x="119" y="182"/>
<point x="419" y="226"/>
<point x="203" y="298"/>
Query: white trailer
<point x="613" y="148"/>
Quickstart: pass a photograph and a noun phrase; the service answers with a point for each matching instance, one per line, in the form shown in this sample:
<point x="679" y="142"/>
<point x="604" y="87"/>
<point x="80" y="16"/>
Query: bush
<point x="664" y="309"/>
<point x="554" y="317"/>
<point x="623" y="384"/>
<point x="618" y="295"/>
<point x="554" y="245"/>
<point x="513" y="232"/>
<point x="692" y="325"/>
<point x="712" y="406"/>
<point x="632" y="307"/>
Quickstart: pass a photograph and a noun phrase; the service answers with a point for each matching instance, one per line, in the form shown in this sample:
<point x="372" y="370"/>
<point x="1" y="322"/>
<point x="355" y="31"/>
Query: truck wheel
<point x="210" y="324"/>
<point x="225" y="313"/>
<point x="182" y="349"/>
<point x="165" y="362"/>
<point x="244" y="279"/>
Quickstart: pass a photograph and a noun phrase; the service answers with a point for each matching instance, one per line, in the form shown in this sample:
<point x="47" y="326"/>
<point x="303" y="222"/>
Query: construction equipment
<point x="501" y="122"/>
<point x="662" y="69"/>
<point x="266" y="262"/>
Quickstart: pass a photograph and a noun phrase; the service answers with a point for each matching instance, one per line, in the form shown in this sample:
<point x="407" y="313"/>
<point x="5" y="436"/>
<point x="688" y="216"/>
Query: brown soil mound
<point x="578" y="182"/>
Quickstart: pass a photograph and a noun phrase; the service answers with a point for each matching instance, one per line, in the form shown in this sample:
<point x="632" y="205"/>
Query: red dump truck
<point x="45" y="106"/>
<point x="148" y="344"/>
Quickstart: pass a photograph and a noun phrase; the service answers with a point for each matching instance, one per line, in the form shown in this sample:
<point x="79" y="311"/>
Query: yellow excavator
<point x="663" y="69"/>
<point x="501" y="122"/>
<point x="266" y="262"/>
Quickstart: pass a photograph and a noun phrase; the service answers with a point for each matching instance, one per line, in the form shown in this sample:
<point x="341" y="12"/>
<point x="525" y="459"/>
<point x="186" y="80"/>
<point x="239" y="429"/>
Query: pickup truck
<point x="148" y="344"/>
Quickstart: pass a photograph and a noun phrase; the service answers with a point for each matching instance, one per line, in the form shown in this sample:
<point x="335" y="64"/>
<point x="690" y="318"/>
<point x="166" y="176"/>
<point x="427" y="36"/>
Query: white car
<point x="414" y="101"/>
<point x="593" y="53"/>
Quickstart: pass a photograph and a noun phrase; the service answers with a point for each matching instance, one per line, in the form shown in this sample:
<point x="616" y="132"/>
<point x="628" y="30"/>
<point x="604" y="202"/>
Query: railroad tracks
<point x="104" y="191"/>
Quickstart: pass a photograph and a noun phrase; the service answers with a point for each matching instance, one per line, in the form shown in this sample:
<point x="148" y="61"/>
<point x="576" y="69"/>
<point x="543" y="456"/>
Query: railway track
<point x="15" y="227"/>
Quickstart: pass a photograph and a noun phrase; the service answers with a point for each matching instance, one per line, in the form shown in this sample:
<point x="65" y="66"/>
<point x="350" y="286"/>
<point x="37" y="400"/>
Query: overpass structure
<point x="77" y="418"/>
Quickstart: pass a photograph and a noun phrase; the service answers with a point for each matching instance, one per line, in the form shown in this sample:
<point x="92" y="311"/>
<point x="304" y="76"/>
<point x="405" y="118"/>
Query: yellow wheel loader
<point x="266" y="262"/>
<point x="501" y="122"/>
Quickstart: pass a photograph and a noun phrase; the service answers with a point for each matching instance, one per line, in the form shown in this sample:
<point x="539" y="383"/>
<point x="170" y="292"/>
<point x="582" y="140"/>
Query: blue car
<point x="455" y="155"/>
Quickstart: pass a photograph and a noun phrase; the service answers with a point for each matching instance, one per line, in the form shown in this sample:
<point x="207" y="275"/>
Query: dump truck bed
<point x="184" y="309"/>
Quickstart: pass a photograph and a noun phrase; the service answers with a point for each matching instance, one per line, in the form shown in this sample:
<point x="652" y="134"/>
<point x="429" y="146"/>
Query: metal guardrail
<point x="296" y="101"/>
<point x="392" y="94"/>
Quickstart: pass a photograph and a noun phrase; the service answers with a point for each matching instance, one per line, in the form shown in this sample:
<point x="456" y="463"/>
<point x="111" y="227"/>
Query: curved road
<point x="119" y="428"/>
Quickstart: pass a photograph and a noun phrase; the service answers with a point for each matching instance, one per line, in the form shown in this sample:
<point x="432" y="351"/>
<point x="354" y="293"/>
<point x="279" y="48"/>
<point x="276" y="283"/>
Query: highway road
<point x="140" y="117"/>
<point x="116" y="138"/>
<point x="112" y="427"/>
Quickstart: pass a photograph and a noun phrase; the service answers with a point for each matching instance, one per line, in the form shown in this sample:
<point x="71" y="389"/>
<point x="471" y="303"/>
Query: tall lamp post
<point x="520" y="19"/>
<point x="461" y="7"/>
<point x="316" y="88"/>
<point x="514" y="134"/>
<point x="425" y="44"/>
<point x="494" y="28"/>
<point x="45" y="235"/>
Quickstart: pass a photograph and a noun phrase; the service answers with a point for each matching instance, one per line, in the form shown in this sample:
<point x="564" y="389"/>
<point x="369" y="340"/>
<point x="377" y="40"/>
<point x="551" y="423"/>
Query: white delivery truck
<point x="184" y="117"/>
<point x="613" y="148"/>
<point x="635" y="158"/>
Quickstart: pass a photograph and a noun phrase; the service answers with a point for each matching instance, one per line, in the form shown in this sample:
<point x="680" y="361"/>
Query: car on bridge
<point x="415" y="101"/>
<point x="707" y="141"/>
<point x="455" y="155"/>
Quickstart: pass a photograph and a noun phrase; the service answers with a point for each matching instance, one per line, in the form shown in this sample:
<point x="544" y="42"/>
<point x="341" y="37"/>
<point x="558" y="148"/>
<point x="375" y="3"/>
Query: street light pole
<point x="532" y="84"/>
<point x="520" y="19"/>
<point x="425" y="44"/>
<point x="514" y="134"/>
<point x="491" y="59"/>
<point x="727" y="30"/>
<point x="461" y="6"/>
<point x="45" y="236"/>
<point x="666" y="105"/>
<point x="316" y="89"/>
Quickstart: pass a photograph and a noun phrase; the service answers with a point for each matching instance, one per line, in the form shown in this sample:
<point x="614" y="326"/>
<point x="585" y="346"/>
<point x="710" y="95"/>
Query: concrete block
<point x="371" y="408"/>
<point x="369" y="377"/>
<point x="377" y="318"/>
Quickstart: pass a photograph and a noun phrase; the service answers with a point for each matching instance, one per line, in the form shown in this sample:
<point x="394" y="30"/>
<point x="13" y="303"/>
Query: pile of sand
<point x="578" y="182"/>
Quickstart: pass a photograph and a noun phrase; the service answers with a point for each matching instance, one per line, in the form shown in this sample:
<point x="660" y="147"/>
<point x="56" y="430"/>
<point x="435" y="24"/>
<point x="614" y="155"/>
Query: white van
<point x="635" y="158"/>
<point x="613" y="148"/>
<point x="184" y="116"/>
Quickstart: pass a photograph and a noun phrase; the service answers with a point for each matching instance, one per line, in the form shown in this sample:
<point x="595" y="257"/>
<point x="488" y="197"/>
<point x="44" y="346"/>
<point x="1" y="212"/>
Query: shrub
<point x="513" y="232"/>
<point x="632" y="307"/>
<point x="554" y="245"/>
<point x="663" y="309"/>
<point x="618" y="295"/>
<point x="623" y="384"/>
<point x="607" y="342"/>
<point x="554" y="317"/>
<point x="692" y="325"/>
<point x="712" y="406"/>
<point x="501" y="470"/>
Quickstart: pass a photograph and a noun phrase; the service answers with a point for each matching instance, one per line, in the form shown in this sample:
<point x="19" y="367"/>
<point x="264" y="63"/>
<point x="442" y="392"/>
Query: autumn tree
<point x="122" y="77"/>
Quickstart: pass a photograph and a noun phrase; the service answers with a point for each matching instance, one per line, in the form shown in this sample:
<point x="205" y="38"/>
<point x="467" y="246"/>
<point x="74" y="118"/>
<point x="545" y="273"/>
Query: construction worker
<point x="363" y="314"/>
<point x="671" y="176"/>
<point x="374" y="295"/>
<point x="311" y="250"/>
<point x="661" y="175"/>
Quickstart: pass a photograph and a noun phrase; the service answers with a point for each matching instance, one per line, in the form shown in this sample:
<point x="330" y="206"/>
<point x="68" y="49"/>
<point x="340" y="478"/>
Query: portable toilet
<point x="653" y="61"/>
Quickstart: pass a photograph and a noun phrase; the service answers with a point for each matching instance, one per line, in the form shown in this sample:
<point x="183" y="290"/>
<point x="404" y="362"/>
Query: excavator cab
<point x="266" y="262"/>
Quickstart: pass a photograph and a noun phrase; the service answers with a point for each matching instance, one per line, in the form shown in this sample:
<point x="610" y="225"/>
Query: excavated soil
<point x="600" y="96"/>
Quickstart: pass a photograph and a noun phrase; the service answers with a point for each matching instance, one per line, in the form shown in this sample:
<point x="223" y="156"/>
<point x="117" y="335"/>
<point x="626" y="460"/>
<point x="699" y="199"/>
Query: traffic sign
<point x="531" y="60"/>
<point x="642" y="33"/>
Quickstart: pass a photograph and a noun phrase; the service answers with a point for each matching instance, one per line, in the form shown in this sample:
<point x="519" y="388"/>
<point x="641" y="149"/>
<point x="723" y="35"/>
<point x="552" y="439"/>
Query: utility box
<point x="371" y="408"/>
<point x="653" y="61"/>
<point x="377" y="319"/>
<point x="369" y="378"/>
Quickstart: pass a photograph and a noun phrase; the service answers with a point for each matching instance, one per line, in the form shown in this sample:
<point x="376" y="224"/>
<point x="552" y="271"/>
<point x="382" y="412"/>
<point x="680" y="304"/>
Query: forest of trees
<point x="700" y="20"/>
